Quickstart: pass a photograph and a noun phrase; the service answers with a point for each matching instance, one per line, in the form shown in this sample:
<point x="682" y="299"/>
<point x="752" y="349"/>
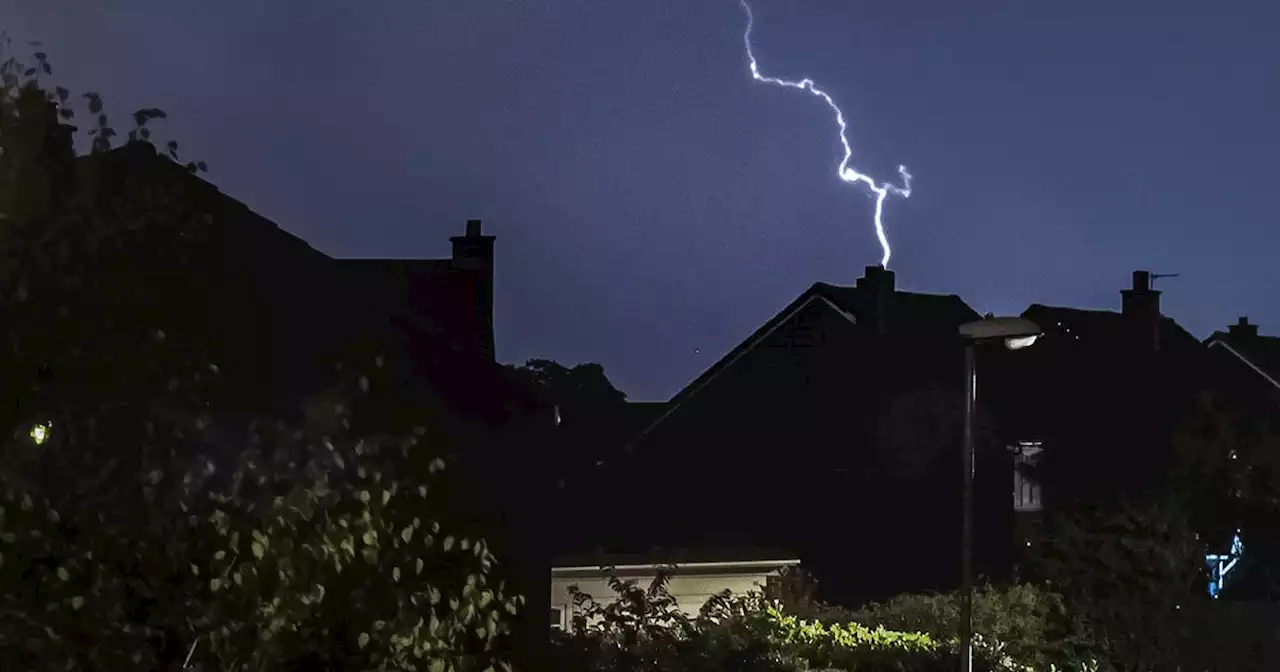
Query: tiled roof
<point x="290" y="307"/>
<point x="910" y="315"/>
<point x="431" y="297"/>
<point x="909" y="312"/>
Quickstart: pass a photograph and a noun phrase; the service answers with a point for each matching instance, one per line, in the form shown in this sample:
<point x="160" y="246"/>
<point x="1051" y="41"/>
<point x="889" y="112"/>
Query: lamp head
<point x="1020" y="342"/>
<point x="1016" y="332"/>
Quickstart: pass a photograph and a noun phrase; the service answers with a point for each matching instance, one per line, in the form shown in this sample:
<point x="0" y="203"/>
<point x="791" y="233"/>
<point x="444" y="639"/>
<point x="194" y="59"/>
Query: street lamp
<point x="1016" y="333"/>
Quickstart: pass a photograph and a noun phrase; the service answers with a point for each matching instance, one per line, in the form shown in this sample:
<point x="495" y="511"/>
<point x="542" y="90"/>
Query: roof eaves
<point x="1222" y="343"/>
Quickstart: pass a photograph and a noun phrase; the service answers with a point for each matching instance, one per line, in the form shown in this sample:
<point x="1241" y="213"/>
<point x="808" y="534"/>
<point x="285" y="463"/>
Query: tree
<point x="142" y="524"/>
<point x="95" y="288"/>
<point x="316" y="548"/>
<point x="1130" y="575"/>
<point x="589" y="411"/>
<point x="578" y="391"/>
<point x="1227" y="470"/>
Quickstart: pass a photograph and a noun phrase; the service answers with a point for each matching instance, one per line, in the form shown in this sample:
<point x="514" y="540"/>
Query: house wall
<point x="691" y="591"/>
<point x="786" y="449"/>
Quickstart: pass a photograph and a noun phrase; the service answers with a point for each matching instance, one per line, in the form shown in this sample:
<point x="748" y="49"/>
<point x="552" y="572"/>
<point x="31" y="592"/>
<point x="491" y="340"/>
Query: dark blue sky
<point x="654" y="205"/>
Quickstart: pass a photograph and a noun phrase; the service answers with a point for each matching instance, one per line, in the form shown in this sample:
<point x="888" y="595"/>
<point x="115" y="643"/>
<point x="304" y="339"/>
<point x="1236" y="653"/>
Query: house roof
<point x="431" y="298"/>
<point x="1099" y="327"/>
<point x="294" y="306"/>
<point x="1104" y="355"/>
<point x="910" y="314"/>
<point x="1260" y="353"/>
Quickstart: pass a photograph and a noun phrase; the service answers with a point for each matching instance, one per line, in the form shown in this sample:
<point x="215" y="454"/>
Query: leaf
<point x="363" y="640"/>
<point x="258" y="550"/>
<point x="395" y="574"/>
<point x="77" y="602"/>
<point x="63" y="575"/>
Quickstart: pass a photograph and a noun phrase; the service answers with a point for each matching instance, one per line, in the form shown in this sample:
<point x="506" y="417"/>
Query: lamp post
<point x="1016" y="333"/>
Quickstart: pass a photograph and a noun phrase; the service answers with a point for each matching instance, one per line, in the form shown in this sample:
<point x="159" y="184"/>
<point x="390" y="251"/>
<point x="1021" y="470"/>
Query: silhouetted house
<point x="829" y="431"/>
<point x="1091" y="410"/>
<point x="1255" y="357"/>
<point x="834" y="430"/>
<point x="1251" y="362"/>
<point x="284" y="322"/>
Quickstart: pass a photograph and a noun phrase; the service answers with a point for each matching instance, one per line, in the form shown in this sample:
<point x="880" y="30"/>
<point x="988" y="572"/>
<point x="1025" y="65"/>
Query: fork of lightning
<point x="847" y="173"/>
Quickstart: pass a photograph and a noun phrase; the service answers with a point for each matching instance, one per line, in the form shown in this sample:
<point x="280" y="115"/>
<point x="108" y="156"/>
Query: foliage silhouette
<point x="642" y="629"/>
<point x="149" y="527"/>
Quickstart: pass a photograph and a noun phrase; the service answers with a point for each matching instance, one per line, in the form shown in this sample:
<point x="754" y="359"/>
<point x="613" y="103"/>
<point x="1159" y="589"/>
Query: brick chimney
<point x="1141" y="306"/>
<point x="877" y="286"/>
<point x="1243" y="329"/>
<point x="474" y="252"/>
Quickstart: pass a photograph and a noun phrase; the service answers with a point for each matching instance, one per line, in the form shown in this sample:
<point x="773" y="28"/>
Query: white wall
<point x="691" y="590"/>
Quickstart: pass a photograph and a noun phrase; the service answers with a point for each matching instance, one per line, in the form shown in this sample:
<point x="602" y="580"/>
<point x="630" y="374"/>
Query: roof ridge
<point x="826" y="285"/>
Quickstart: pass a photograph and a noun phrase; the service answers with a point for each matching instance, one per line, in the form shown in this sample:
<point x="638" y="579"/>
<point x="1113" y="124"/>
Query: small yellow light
<point x="40" y="433"/>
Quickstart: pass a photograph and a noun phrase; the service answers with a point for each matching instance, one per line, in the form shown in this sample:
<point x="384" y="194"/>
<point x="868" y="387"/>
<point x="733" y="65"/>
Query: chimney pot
<point x="1141" y="281"/>
<point x="1243" y="328"/>
<point x="878" y="285"/>
<point x="473" y="228"/>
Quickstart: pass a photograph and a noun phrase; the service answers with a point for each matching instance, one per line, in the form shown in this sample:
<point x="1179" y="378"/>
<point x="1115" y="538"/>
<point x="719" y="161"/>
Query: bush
<point x="315" y="548"/>
<point x="644" y="631"/>
<point x="1027" y="619"/>
<point x="1131" y="577"/>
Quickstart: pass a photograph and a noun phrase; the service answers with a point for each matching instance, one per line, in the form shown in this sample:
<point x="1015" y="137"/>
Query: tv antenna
<point x="1157" y="276"/>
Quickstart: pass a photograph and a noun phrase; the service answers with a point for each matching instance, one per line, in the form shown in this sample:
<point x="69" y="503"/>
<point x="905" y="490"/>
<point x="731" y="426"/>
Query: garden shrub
<point x="1027" y="619"/>
<point x="314" y="549"/>
<point x="643" y="631"/>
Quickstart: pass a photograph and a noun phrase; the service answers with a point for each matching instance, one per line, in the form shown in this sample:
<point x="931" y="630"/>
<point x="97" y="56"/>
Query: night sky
<point x="654" y="205"/>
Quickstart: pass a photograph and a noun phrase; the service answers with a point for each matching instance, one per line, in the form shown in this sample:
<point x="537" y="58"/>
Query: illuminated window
<point x="1026" y="490"/>
<point x="557" y="618"/>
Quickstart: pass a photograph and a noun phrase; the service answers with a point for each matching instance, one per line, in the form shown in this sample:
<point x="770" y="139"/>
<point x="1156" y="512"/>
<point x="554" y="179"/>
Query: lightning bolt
<point x="846" y="172"/>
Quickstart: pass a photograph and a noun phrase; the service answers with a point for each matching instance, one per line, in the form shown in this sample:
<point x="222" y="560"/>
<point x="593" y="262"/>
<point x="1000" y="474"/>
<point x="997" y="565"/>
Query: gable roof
<point x="1259" y="353"/>
<point x="911" y="313"/>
